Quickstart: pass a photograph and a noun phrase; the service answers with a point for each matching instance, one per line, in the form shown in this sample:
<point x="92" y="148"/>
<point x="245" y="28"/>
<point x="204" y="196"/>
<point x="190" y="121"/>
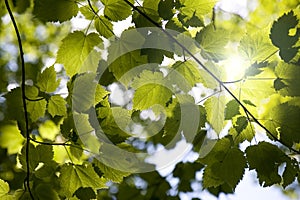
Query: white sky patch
<point x="240" y="7"/>
<point x="165" y="160"/>
<point x="79" y="23"/>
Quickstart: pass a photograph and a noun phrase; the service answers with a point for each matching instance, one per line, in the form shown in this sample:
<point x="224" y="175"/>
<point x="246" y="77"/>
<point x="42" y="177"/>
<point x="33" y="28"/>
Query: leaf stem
<point x="23" y="97"/>
<point x="211" y="74"/>
<point x="61" y="144"/>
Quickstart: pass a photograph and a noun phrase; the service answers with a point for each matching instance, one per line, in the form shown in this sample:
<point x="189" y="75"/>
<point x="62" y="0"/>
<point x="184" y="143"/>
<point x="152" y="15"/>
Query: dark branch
<point x="23" y="96"/>
<point x="39" y="99"/>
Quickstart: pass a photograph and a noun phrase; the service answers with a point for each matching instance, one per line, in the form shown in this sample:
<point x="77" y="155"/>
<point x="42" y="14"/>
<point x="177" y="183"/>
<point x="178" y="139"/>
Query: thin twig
<point x="61" y="144"/>
<point x="23" y="96"/>
<point x="96" y="13"/>
<point x="207" y="97"/>
<point x="211" y="74"/>
<point x="39" y="99"/>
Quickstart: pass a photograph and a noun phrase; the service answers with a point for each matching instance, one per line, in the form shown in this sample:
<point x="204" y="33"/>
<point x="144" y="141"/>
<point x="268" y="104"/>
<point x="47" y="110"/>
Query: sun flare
<point x="235" y="67"/>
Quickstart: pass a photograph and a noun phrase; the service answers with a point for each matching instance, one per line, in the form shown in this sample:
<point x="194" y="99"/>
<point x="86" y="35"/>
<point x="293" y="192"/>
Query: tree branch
<point x="23" y="96"/>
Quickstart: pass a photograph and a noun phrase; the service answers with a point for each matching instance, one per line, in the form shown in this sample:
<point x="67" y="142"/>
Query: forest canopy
<point x="92" y="91"/>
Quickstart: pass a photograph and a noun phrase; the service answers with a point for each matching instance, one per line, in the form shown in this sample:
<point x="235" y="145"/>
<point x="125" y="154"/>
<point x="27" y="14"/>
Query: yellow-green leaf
<point x="75" y="50"/>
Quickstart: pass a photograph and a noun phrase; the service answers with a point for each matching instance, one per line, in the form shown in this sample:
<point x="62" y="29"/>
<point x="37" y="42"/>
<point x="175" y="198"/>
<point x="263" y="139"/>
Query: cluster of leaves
<point x="47" y="142"/>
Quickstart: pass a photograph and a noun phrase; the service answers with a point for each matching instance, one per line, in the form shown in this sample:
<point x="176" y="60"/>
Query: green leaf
<point x="124" y="56"/>
<point x="46" y="191"/>
<point x="48" y="130"/>
<point x="175" y="24"/>
<point x="194" y="21"/>
<point x="4" y="188"/>
<point x="116" y="10"/>
<point x="72" y="177"/>
<point x="282" y="120"/>
<point x="241" y="123"/>
<point x="15" y="110"/>
<point x="75" y="51"/>
<point x="100" y="94"/>
<point x="265" y="158"/>
<point x="232" y="109"/>
<point x="84" y="91"/>
<point x="207" y="80"/>
<point x="31" y="92"/>
<point x="151" y="89"/>
<point x="115" y="124"/>
<point x="212" y="42"/>
<point x="225" y="164"/>
<point x="104" y="27"/>
<point x="280" y="31"/>
<point x="47" y="170"/>
<point x="150" y="8"/>
<point x="190" y="8"/>
<point x="210" y="179"/>
<point x="255" y="90"/>
<point x="186" y="172"/>
<point x="39" y="154"/>
<point x="46" y="81"/>
<point x="87" y="13"/>
<point x="163" y="46"/>
<point x="290" y="172"/>
<point x="110" y="173"/>
<point x="248" y="102"/>
<point x="85" y="193"/>
<point x="165" y="9"/>
<point x="11" y="138"/>
<point x="255" y="68"/>
<point x="52" y="10"/>
<point x="288" y="80"/>
<point x="242" y="130"/>
<point x="189" y="70"/>
<point x="215" y="107"/>
<point x="232" y="167"/>
<point x="288" y="54"/>
<point x="21" y="6"/>
<point x="36" y="109"/>
<point x="57" y="106"/>
<point x="256" y="47"/>
<point x="126" y="67"/>
<point x="279" y="84"/>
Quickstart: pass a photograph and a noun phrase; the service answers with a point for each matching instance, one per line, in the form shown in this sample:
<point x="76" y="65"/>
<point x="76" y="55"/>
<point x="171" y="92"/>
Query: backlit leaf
<point x="266" y="158"/>
<point x="151" y="89"/>
<point x="232" y="109"/>
<point x="288" y="79"/>
<point x="75" y="176"/>
<point x="189" y="8"/>
<point x="215" y="107"/>
<point x="46" y="81"/>
<point x="104" y="27"/>
<point x="4" y="188"/>
<point x="111" y="173"/>
<point x="36" y="109"/>
<point x="11" y="138"/>
<point x="212" y="42"/>
<point x="75" y="51"/>
<point x="283" y="121"/>
<point x="57" y="106"/>
<point x="116" y="9"/>
<point x="52" y="10"/>
<point x="48" y="130"/>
